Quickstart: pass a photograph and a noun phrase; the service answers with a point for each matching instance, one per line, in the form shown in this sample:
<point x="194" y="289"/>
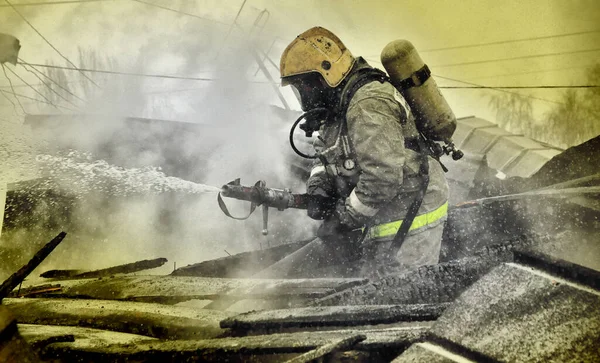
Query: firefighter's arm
<point x="376" y="135"/>
<point x="319" y="184"/>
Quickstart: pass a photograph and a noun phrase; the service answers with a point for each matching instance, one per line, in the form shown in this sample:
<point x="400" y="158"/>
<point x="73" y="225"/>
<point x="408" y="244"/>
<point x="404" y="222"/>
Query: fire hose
<point x="260" y="195"/>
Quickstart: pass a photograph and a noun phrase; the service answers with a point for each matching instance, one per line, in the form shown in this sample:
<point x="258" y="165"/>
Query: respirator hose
<point x="309" y="130"/>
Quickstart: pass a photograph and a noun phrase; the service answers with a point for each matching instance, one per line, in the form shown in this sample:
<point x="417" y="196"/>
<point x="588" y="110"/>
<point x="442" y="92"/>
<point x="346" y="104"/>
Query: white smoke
<point x="112" y="192"/>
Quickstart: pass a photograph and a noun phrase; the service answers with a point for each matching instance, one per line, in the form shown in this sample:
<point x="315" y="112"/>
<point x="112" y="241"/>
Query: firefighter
<point x="370" y="156"/>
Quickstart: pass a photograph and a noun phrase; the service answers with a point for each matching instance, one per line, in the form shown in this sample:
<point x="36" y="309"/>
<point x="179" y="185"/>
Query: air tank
<point x="412" y="78"/>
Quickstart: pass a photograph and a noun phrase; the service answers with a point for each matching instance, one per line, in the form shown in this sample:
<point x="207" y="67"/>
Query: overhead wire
<point x="523" y="87"/>
<point x="140" y="74"/>
<point x="33" y="88"/>
<point x="494" y="89"/>
<point x="12" y="88"/>
<point x="50" y="88"/>
<point x="516" y="58"/>
<point x="48" y="42"/>
<point x="22" y="61"/>
<point x="473" y="85"/>
<point x="38" y="100"/>
<point x="533" y="72"/>
<point x="505" y="59"/>
<point x="510" y="41"/>
<point x="55" y="3"/>
<point x="498" y="89"/>
<point x="507" y="41"/>
<point x="180" y="12"/>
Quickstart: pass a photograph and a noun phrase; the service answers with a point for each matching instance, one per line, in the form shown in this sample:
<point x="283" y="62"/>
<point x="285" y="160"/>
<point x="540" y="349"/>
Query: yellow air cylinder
<point x="412" y="78"/>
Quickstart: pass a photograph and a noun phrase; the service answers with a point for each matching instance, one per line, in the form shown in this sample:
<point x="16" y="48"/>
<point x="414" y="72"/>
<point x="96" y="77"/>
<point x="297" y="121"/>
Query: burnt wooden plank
<point x="35" y="290"/>
<point x="154" y="320"/>
<point x="241" y="348"/>
<point x="333" y="316"/>
<point x="36" y="335"/>
<point x="322" y="351"/>
<point x="15" y="279"/>
<point x="60" y="274"/>
<point x="173" y="289"/>
<point x="124" y="269"/>
<point x="302" y="287"/>
<point x="240" y="265"/>
<point x="105" y="272"/>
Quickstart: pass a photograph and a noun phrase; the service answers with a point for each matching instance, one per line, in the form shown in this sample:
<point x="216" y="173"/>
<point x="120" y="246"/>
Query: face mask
<point x="311" y="93"/>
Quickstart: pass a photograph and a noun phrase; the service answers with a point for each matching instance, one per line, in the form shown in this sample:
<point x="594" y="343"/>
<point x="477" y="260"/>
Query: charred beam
<point x="60" y="274"/>
<point x="124" y="269"/>
<point x="334" y="316"/>
<point x="19" y="276"/>
<point x="152" y="320"/>
<point x="322" y="351"/>
<point x="241" y="349"/>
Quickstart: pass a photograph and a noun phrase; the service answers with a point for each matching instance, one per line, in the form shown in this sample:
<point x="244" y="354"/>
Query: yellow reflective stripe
<point x="391" y="228"/>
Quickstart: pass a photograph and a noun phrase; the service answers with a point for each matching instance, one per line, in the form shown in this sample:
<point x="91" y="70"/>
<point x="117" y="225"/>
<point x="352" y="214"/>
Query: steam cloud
<point x="127" y="209"/>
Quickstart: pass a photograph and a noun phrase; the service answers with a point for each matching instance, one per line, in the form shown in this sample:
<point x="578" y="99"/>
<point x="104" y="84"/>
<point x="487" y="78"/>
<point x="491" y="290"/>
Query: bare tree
<point x="577" y="118"/>
<point x="572" y="121"/>
<point x="513" y="112"/>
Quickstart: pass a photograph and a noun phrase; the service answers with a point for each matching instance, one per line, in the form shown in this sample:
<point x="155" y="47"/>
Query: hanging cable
<point x="533" y="72"/>
<point x="180" y="12"/>
<point x="48" y="42"/>
<point x="50" y="88"/>
<point x="474" y="86"/>
<point x="38" y="100"/>
<point x="508" y="41"/>
<point x="139" y="74"/>
<point x="504" y="59"/>
<point x="55" y="3"/>
<point x="33" y="88"/>
<point x="511" y="41"/>
<point x="21" y="61"/>
<point x="11" y="86"/>
<point x="494" y="89"/>
<point x="516" y="58"/>
<point x="521" y="87"/>
<point x="499" y="90"/>
<point x="11" y="101"/>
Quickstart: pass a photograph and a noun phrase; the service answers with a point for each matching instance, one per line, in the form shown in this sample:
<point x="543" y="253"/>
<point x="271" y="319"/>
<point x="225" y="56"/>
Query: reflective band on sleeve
<point x="317" y="170"/>
<point x="359" y="207"/>
<point x="391" y="228"/>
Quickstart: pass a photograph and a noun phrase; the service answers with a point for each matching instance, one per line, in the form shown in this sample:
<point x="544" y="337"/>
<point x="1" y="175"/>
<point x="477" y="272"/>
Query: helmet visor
<point x="308" y="89"/>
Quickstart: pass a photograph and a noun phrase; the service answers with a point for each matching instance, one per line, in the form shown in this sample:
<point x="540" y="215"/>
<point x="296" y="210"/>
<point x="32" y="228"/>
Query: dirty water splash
<point x="79" y="174"/>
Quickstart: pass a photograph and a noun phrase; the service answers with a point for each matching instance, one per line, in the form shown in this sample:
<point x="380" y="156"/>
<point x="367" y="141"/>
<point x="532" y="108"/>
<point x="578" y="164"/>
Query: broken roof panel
<point x="466" y="126"/>
<point x="531" y="162"/>
<point x="508" y="149"/>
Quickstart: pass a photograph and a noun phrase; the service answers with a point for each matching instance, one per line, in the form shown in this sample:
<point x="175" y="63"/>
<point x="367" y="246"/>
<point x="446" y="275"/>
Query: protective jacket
<point x="382" y="179"/>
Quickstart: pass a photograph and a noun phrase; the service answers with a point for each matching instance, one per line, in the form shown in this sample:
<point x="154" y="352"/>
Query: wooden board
<point x="173" y="289"/>
<point x="154" y="320"/>
<point x="240" y="349"/>
<point x="333" y="316"/>
<point x="87" y="338"/>
<point x="106" y="272"/>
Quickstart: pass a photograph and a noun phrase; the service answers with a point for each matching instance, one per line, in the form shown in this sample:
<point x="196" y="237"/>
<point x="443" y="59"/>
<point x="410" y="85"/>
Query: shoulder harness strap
<point x="355" y="82"/>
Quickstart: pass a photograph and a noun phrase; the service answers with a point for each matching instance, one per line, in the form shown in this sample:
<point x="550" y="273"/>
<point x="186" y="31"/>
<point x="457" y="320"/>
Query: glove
<point x="344" y="216"/>
<point x="320" y="204"/>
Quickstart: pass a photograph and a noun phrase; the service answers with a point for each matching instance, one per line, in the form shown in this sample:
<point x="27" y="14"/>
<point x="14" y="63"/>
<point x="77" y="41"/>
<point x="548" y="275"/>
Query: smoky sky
<point x="185" y="45"/>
